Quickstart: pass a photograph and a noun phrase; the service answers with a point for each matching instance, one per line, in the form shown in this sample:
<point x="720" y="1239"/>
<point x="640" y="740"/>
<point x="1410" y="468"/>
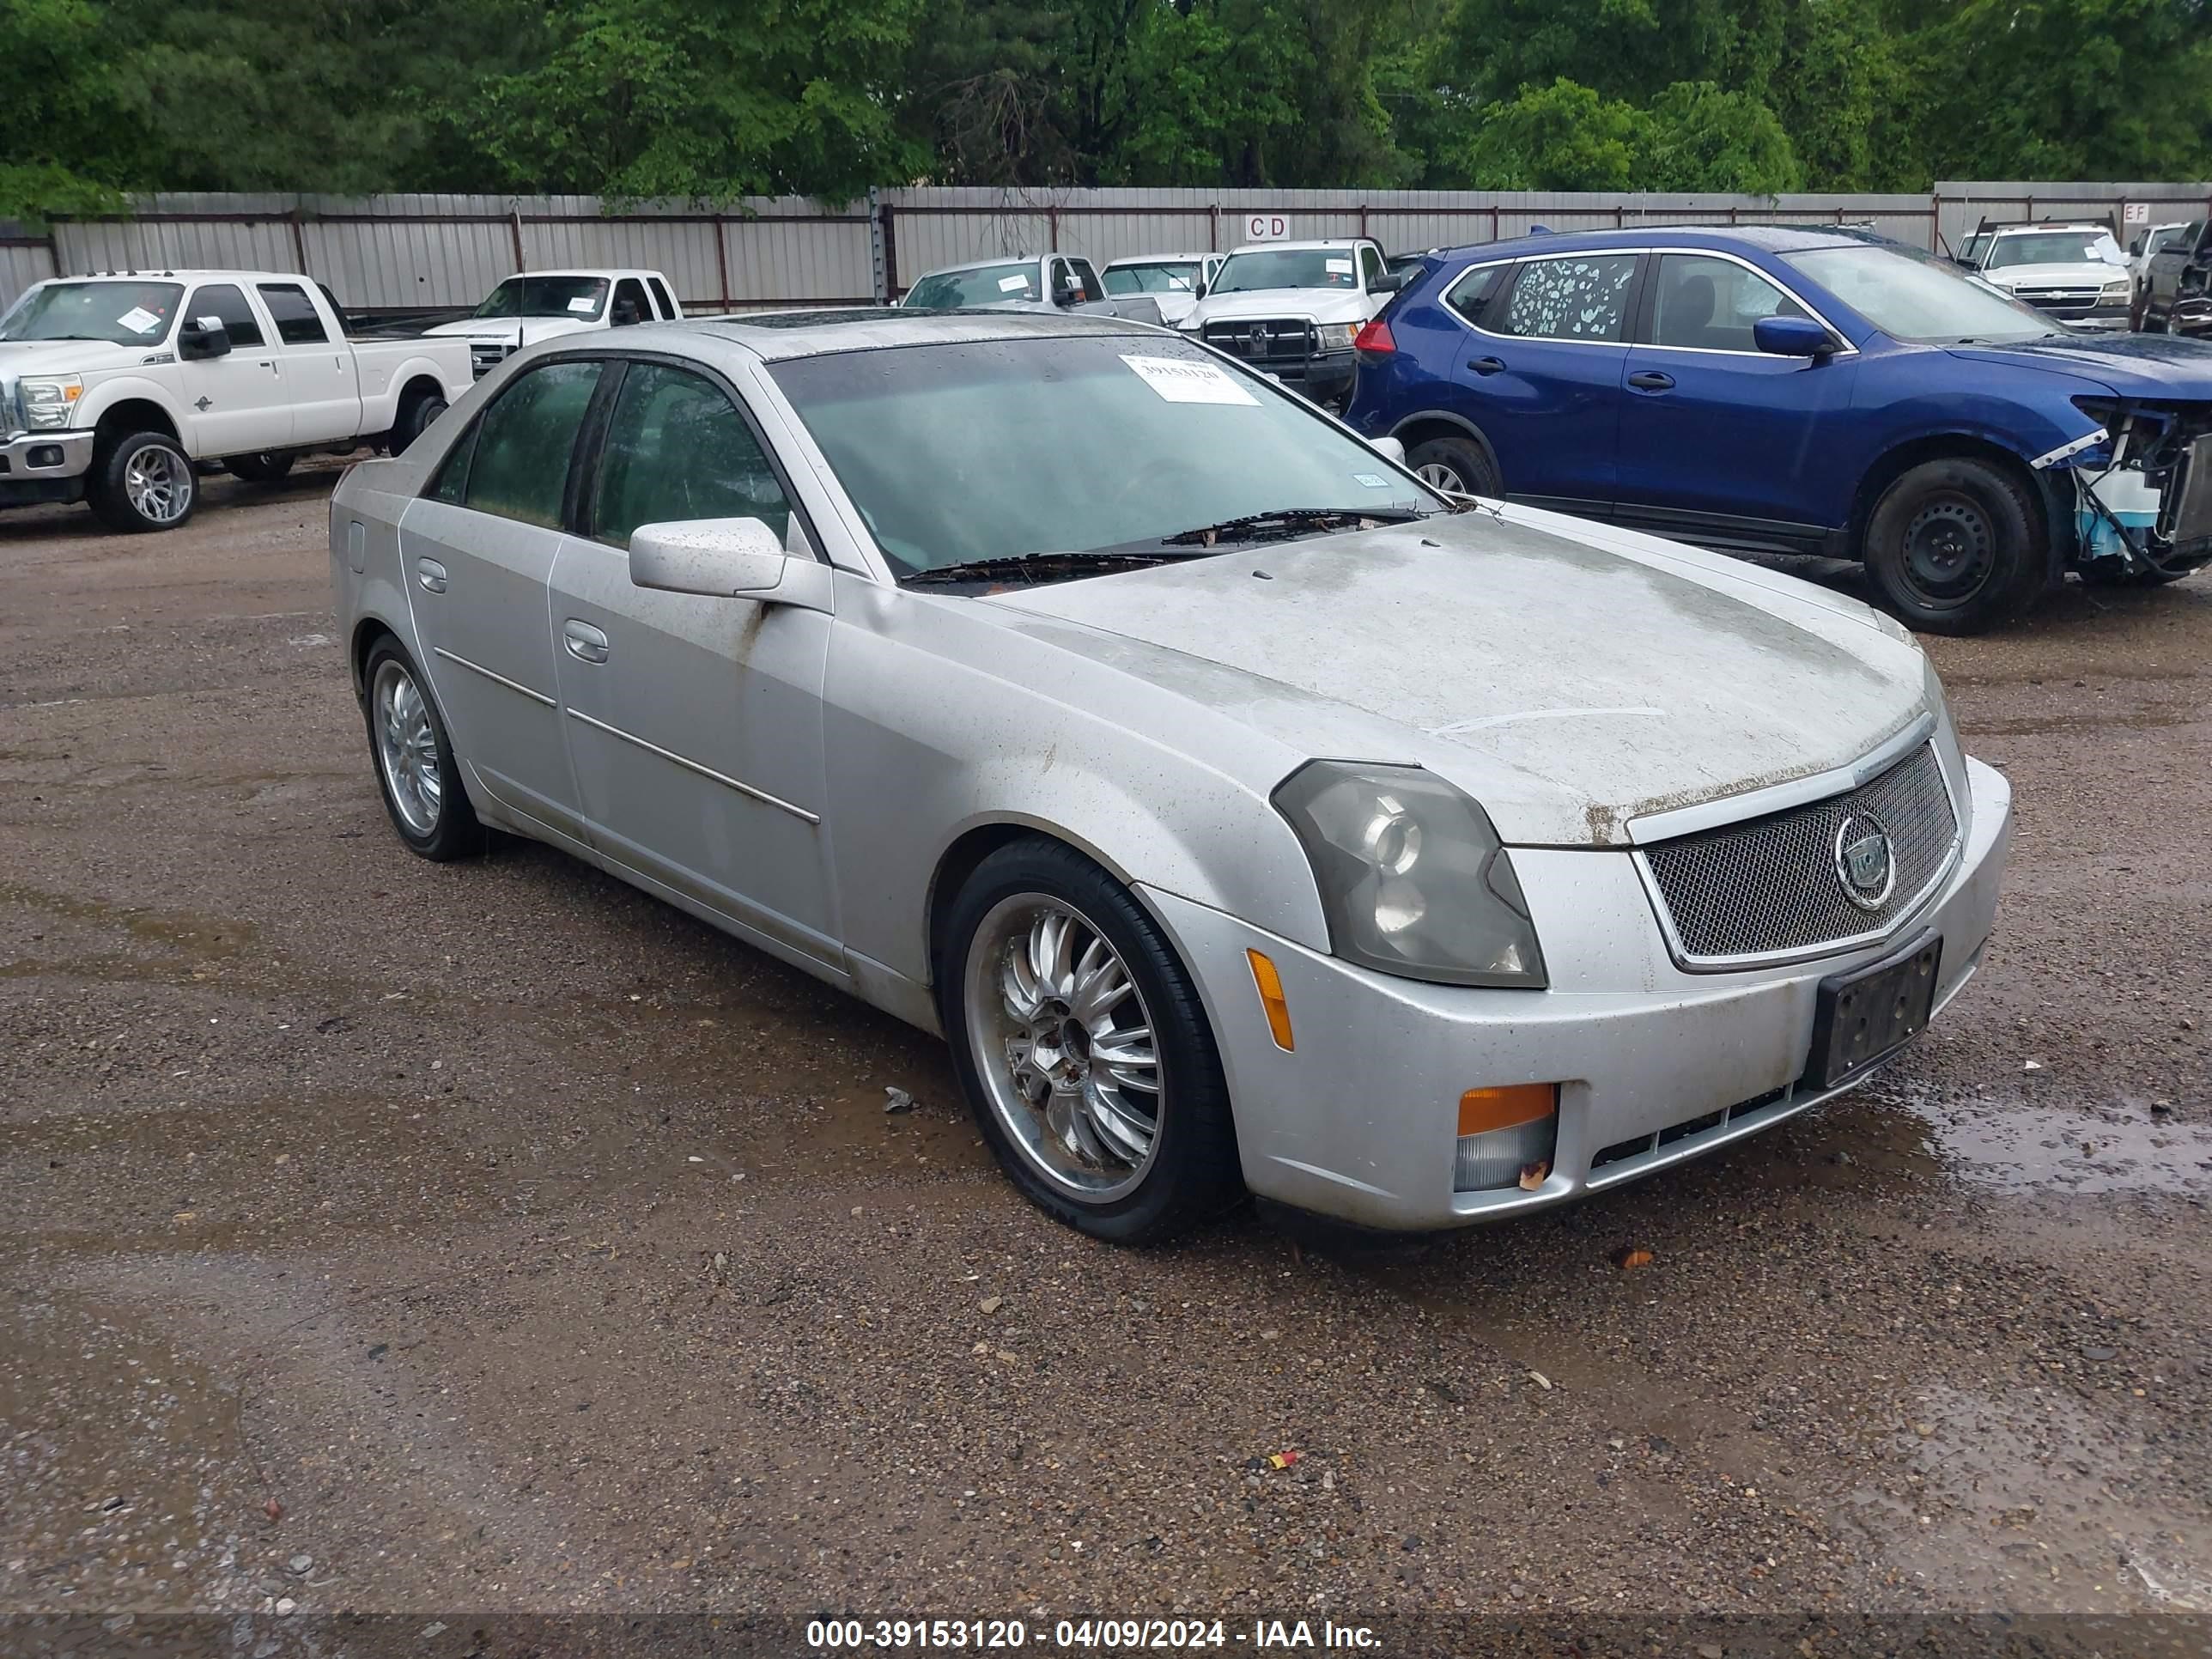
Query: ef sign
<point x="1266" y="227"/>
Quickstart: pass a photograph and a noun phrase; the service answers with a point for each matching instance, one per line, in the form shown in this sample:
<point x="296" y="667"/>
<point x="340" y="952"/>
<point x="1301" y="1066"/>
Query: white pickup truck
<point x="537" y="305"/>
<point x="1292" y="310"/>
<point x="111" y="387"/>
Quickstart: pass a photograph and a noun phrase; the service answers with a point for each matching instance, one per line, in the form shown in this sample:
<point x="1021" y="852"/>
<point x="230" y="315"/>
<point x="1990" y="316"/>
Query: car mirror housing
<point x="195" y="343"/>
<point x="1794" y="337"/>
<point x="719" y="558"/>
<point x="1388" y="448"/>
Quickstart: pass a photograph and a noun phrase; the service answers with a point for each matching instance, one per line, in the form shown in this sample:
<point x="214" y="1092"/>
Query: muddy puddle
<point x="2026" y="1148"/>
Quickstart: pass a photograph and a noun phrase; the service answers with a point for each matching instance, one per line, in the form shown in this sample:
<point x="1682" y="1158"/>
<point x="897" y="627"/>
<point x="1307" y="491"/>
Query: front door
<point x="1544" y="368"/>
<point x="478" y="552"/>
<point x="238" y="401"/>
<point x="695" y="722"/>
<point x="1723" y="443"/>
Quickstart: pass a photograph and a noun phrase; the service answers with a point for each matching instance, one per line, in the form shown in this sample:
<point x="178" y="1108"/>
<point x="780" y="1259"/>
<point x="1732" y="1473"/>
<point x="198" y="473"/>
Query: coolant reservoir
<point x="2129" y="498"/>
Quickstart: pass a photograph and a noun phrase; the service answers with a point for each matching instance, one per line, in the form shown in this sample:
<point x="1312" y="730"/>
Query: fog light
<point x="44" y="455"/>
<point x="1502" y="1131"/>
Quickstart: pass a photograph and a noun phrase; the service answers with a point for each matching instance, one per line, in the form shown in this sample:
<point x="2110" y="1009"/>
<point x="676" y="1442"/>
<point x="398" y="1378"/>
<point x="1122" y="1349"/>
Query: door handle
<point x="1485" y="365"/>
<point x="1650" y="379"/>
<point x="268" y="365"/>
<point x="431" y="574"/>
<point x="584" y="642"/>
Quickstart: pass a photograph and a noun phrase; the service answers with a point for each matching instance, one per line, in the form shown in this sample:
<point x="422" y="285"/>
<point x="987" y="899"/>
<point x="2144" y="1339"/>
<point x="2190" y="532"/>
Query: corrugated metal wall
<point x="418" y="253"/>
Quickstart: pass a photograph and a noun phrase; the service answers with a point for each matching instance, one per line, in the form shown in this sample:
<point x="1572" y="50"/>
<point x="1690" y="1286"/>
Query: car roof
<point x="1288" y="247"/>
<point x="1160" y="258"/>
<point x="2048" y="224"/>
<point x="586" y="271"/>
<point x="1763" y="239"/>
<point x="776" y="336"/>
<point x="980" y="264"/>
<point x="182" y="275"/>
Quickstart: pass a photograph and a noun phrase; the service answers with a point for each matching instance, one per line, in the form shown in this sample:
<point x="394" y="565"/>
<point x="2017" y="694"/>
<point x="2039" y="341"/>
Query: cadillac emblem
<point x="1866" y="862"/>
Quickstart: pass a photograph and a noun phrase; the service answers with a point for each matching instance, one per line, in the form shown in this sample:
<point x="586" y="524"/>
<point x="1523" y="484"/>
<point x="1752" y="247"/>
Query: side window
<point x="293" y="314"/>
<point x="630" y="305"/>
<point x="520" y="466"/>
<point x="1093" y="287"/>
<point x="669" y="309"/>
<point x="1570" y="299"/>
<point x="452" y="482"/>
<point x="1371" y="264"/>
<point x="1475" y="290"/>
<point x="676" y="449"/>
<point x="224" y="303"/>
<point x="1711" y="304"/>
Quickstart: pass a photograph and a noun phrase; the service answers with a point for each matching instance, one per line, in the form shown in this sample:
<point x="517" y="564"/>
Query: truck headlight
<point x="2120" y="287"/>
<point x="1412" y="879"/>
<point x="1336" y="337"/>
<point x="49" y="400"/>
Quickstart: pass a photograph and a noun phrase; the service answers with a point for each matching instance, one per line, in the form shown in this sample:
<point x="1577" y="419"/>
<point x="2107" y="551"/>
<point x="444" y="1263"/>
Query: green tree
<point x="1562" y="137"/>
<point x="76" y="110"/>
<point x="1698" y="138"/>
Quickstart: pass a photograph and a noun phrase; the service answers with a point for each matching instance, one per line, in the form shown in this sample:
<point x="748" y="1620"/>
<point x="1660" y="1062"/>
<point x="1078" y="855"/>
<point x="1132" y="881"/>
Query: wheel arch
<point x="965" y="853"/>
<point x="135" y="412"/>
<point x="1896" y="461"/>
<point x="366" y="633"/>
<point x="1427" y="423"/>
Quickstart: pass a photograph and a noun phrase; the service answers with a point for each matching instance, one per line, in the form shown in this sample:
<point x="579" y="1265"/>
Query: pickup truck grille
<point x="1769" y="886"/>
<point x="2074" y="301"/>
<point x="485" y="355"/>
<point x="1264" y="341"/>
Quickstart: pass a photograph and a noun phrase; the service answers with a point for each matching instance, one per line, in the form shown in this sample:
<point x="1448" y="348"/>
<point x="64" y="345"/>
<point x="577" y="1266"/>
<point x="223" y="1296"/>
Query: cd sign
<point x="1266" y="227"/>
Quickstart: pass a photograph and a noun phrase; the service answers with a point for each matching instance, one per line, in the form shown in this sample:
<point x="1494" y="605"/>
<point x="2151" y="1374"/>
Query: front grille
<point x="2061" y="301"/>
<point x="1770" y="886"/>
<point x="485" y="355"/>
<point x="1264" y="340"/>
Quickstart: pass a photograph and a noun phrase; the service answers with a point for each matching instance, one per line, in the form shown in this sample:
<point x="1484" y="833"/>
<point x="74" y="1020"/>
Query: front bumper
<point x="44" y="466"/>
<point x="1360" y="1120"/>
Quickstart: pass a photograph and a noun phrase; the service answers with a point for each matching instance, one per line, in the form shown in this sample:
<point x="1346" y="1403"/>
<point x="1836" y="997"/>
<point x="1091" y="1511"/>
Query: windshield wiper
<point x="1288" y="521"/>
<point x="1041" y="567"/>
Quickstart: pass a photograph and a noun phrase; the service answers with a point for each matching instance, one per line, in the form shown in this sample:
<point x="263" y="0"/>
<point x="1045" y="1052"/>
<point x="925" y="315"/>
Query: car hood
<point x="534" y="329"/>
<point x="1319" y="305"/>
<point x="2135" y="365"/>
<point x="19" y="357"/>
<point x="2091" y="273"/>
<point x="1569" y="682"/>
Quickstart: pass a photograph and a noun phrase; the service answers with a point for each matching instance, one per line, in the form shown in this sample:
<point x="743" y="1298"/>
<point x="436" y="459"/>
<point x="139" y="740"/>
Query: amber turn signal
<point x="1269" y="984"/>
<point x="1484" y="1109"/>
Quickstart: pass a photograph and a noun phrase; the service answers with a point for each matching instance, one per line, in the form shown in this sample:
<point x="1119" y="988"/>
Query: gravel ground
<point x="387" y="1237"/>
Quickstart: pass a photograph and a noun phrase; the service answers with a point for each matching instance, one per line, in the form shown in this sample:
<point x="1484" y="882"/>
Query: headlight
<point x="2119" y="287"/>
<point x="1412" y="879"/>
<point x="1337" y="337"/>
<point x="47" y="402"/>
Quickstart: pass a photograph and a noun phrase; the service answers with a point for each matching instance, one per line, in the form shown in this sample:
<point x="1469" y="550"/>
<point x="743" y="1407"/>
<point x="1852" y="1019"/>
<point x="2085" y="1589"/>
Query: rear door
<point x="478" y="549"/>
<point x="670" y="311"/>
<point x="239" y="403"/>
<point x="1544" y="367"/>
<point x="696" y="722"/>
<point x="1723" y="443"/>
<point x="320" y="374"/>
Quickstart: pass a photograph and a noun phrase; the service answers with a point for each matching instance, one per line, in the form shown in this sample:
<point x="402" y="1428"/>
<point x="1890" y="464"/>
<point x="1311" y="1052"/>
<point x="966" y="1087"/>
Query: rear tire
<point x="268" y="467"/>
<point x="1458" y="465"/>
<point x="143" y="482"/>
<point x="1084" y="1050"/>
<point x="1956" y="546"/>
<point x="416" y="418"/>
<point x="415" y="772"/>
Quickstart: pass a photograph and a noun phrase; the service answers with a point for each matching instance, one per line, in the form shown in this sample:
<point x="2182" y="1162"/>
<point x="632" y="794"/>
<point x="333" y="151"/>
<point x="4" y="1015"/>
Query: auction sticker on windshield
<point x="1008" y="284"/>
<point x="583" y="302"/>
<point x="138" y="319"/>
<point x="1181" y="382"/>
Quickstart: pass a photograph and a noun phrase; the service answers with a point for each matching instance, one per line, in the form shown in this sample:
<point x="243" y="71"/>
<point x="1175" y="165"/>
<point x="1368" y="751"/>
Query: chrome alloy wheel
<point x="158" y="483"/>
<point x="1065" y="1046"/>
<point x="1439" y="476"/>
<point x="406" y="747"/>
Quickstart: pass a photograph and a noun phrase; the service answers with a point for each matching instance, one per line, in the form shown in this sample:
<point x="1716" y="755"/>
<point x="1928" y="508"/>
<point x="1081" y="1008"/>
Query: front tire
<point x="1459" y="466"/>
<point x="416" y="417"/>
<point x="415" y="767"/>
<point x="1083" y="1050"/>
<point x="143" y="482"/>
<point x="1956" y="546"/>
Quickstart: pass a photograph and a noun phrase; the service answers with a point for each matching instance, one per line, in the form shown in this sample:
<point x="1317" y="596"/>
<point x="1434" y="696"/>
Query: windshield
<point x="1006" y="448"/>
<point x="122" y="314"/>
<point x="1165" y="277"/>
<point x="583" y="298"/>
<point x="2054" y="248"/>
<point x="984" y="285"/>
<point x="1915" y="297"/>
<point x="1287" y="267"/>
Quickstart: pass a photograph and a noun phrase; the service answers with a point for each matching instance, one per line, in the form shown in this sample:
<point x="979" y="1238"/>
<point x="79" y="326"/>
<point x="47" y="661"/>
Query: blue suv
<point x="1801" y="392"/>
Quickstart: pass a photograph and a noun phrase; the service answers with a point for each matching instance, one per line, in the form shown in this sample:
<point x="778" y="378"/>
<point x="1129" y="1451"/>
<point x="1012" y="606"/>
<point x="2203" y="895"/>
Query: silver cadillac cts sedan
<point x="1246" y="814"/>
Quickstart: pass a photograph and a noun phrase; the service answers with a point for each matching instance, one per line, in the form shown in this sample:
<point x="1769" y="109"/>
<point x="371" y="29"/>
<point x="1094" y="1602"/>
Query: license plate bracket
<point x="1862" y="1017"/>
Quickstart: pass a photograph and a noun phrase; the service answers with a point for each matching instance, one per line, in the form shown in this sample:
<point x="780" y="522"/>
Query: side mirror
<point x="1388" y="448"/>
<point x="1794" y="337"/>
<point x="1066" y="294"/>
<point x="719" y="558"/>
<point x="195" y="343"/>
